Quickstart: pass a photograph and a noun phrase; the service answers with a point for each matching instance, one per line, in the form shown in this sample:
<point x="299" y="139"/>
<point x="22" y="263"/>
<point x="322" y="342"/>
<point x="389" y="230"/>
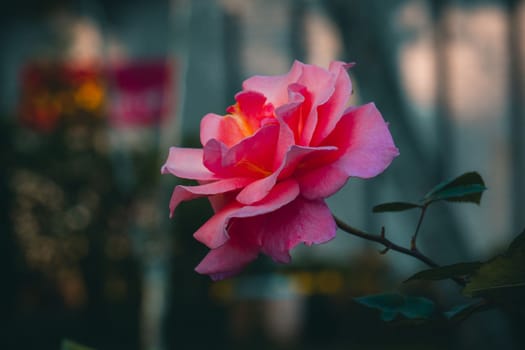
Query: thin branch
<point x="381" y="239"/>
<point x="420" y="221"/>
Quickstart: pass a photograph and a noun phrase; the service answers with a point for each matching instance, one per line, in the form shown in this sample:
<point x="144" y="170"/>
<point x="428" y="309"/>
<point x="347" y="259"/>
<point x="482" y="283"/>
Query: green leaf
<point x="71" y="345"/>
<point x="392" y="304"/>
<point x="446" y="272"/>
<point x="394" y="206"/>
<point x="468" y="187"/>
<point x="502" y="277"/>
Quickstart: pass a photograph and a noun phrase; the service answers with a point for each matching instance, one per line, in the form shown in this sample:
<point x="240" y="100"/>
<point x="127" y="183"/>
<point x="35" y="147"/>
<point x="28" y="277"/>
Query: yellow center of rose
<point x="242" y="123"/>
<point x="248" y="122"/>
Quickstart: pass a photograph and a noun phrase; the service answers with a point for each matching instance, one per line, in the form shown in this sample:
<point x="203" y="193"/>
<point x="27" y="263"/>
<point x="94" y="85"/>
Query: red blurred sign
<point x="136" y="94"/>
<point x="140" y="93"/>
<point x="51" y="91"/>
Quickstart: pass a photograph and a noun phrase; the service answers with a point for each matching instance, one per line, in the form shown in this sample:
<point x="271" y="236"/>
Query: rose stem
<point x="381" y="239"/>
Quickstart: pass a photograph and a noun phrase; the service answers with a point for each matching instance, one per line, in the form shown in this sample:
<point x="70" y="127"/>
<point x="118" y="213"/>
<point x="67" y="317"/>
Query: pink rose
<point x="266" y="166"/>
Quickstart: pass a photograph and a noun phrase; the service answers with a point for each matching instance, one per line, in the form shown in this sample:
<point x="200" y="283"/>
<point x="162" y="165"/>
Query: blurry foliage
<point x="502" y="278"/>
<point x="71" y="345"/>
<point x="70" y="225"/>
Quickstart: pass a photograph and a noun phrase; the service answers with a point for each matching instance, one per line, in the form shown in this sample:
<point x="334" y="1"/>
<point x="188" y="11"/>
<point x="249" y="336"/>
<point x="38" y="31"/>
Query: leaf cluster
<point x="468" y="187"/>
<point x="498" y="282"/>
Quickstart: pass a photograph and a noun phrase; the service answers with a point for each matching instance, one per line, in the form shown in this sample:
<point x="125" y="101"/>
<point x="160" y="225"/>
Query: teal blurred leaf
<point x="394" y="206"/>
<point x="468" y="187"/>
<point x="391" y="305"/>
<point x="446" y="272"/>
<point x="502" y="277"/>
<point x="71" y="345"/>
<point x="462" y="311"/>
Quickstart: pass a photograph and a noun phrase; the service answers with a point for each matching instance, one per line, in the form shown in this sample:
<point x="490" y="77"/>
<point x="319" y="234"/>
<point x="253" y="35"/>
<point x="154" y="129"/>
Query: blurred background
<point x="92" y="94"/>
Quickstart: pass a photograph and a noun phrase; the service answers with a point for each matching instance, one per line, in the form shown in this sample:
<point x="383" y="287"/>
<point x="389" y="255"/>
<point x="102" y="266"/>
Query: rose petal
<point x="187" y="163"/>
<point x="366" y="149"/>
<point x="275" y="234"/>
<point x="319" y="82"/>
<point x="330" y="112"/>
<point x="214" y="232"/>
<point x="322" y="182"/>
<point x="227" y="260"/>
<point x="219" y="201"/>
<point x="258" y="189"/>
<point x="213" y="153"/>
<point x="299" y="115"/>
<point x="313" y="88"/>
<point x="301" y="221"/>
<point x="275" y="88"/>
<point x="253" y="109"/>
<point x="184" y="193"/>
<point x="253" y="157"/>
<point x="221" y="128"/>
<point x="363" y="136"/>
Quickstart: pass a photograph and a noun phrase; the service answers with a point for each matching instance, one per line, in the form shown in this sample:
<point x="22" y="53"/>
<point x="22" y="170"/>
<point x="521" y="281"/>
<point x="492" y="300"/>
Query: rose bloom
<point x="267" y="166"/>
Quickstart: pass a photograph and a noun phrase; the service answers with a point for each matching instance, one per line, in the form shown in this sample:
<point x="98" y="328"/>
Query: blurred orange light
<point x="89" y="96"/>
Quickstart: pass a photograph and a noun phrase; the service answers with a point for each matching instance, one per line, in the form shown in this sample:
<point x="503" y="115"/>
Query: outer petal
<point x="214" y="232"/>
<point x="187" y="163"/>
<point x="275" y="234"/>
<point x="322" y="182"/>
<point x="365" y="142"/>
<point x="184" y="193"/>
<point x="275" y="88"/>
<point x="301" y="221"/>
<point x="227" y="260"/>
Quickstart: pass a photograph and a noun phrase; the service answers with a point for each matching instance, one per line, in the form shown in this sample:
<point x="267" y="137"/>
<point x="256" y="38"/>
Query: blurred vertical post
<point x="140" y="147"/>
<point x="516" y="113"/>
<point x="7" y="245"/>
<point x="179" y="17"/>
<point x="156" y="265"/>
<point x="445" y="152"/>
<point x="297" y="29"/>
<point x="232" y="49"/>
